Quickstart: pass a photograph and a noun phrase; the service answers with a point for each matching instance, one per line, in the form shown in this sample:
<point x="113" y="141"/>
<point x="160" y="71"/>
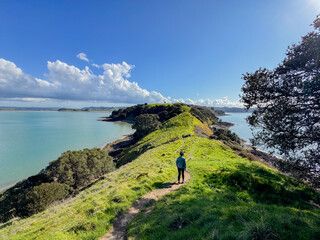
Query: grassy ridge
<point x="88" y="215"/>
<point x="230" y="197"/>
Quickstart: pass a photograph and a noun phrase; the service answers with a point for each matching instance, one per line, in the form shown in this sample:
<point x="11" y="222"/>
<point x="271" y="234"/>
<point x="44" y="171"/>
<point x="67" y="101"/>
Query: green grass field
<point x="228" y="197"/>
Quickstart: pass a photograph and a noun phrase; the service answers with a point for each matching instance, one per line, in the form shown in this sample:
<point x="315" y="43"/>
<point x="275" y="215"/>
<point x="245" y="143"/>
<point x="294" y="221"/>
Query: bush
<point x="67" y="174"/>
<point x="145" y="124"/>
<point x="45" y="194"/>
<point x="225" y="135"/>
<point x="164" y="111"/>
<point x="204" y="114"/>
<point x="79" y="168"/>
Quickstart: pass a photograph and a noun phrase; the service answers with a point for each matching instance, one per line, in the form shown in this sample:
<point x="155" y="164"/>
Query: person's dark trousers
<point x="180" y="172"/>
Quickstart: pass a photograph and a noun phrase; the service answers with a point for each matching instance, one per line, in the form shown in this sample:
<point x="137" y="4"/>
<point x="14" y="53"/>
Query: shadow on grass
<point x="162" y="185"/>
<point x="220" y="214"/>
<point x="264" y="186"/>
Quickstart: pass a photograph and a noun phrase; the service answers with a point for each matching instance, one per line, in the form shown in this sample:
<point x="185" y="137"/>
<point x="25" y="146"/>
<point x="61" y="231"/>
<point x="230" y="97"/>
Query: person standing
<point x="181" y="165"/>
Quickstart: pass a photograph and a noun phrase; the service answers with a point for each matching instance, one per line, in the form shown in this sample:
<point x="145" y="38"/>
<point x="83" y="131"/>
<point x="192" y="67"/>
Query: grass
<point x="228" y="196"/>
<point x="171" y="131"/>
<point x="89" y="215"/>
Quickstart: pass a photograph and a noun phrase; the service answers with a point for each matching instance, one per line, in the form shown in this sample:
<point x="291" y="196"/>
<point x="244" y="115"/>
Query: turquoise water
<point x="30" y="140"/>
<point x="241" y="127"/>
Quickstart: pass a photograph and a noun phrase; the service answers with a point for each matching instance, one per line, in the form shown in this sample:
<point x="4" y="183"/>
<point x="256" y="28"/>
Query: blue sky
<point x="141" y="51"/>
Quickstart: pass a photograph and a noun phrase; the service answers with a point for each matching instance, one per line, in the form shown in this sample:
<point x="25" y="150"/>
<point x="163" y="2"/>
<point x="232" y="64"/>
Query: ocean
<point x="241" y="127"/>
<point x="29" y="140"/>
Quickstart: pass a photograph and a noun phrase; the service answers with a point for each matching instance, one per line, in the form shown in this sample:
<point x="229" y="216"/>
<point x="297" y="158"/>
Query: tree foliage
<point x="204" y="114"/>
<point x="164" y="111"/>
<point x="64" y="176"/>
<point x="45" y="194"/>
<point x="79" y="168"/>
<point x="145" y="124"/>
<point x="288" y="103"/>
<point x="225" y="135"/>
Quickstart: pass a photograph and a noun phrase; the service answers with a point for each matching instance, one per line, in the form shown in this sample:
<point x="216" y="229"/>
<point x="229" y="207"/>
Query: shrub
<point x="225" y="135"/>
<point x="45" y="194"/>
<point x="67" y="174"/>
<point x="146" y="123"/>
<point x="79" y="168"/>
<point x="204" y="114"/>
<point x="164" y="111"/>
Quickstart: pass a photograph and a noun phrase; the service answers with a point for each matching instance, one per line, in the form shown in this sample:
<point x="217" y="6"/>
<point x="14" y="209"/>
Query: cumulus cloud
<point x="66" y="82"/>
<point x="83" y="57"/>
<point x="15" y="83"/>
<point x="71" y="83"/>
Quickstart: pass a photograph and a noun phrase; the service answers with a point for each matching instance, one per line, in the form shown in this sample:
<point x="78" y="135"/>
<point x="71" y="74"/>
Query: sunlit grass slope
<point x="89" y="215"/>
<point x="171" y="130"/>
<point x="230" y="197"/>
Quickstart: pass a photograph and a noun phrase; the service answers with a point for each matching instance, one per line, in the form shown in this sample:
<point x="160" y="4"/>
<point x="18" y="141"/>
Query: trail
<point x="120" y="225"/>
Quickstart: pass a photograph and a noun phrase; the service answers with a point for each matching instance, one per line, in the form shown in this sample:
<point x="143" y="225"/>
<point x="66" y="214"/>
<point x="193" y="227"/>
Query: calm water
<point x="30" y="140"/>
<point x="241" y="127"/>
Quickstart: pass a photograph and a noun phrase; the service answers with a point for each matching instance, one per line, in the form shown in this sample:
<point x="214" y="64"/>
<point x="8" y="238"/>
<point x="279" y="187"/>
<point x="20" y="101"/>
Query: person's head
<point x="181" y="153"/>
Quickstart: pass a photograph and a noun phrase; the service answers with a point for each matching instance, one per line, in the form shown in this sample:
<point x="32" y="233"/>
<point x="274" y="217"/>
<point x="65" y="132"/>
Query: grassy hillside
<point x="228" y="197"/>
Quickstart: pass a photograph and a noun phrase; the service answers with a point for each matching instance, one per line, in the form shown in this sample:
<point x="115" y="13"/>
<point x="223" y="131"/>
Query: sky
<point x="118" y="53"/>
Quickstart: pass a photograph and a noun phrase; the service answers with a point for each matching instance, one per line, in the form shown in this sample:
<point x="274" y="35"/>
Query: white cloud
<point x="28" y="99"/>
<point x="66" y="82"/>
<point x="83" y="57"/>
<point x="15" y="83"/>
<point x="224" y="102"/>
<point x="70" y="83"/>
<point x="95" y="65"/>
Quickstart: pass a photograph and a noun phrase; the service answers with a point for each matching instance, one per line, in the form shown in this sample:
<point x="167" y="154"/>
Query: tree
<point x="79" y="168"/>
<point x="287" y="101"/>
<point x="43" y="195"/>
<point x="145" y="123"/>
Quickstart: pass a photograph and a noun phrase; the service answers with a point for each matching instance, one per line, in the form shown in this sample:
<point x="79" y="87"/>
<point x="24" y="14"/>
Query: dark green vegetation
<point x="288" y="107"/>
<point x="63" y="177"/>
<point x="145" y="124"/>
<point x="165" y="112"/>
<point x="228" y="196"/>
<point x="225" y="135"/>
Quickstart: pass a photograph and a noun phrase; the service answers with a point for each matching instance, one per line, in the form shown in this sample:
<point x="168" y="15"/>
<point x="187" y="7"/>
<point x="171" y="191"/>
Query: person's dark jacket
<point x="181" y="162"/>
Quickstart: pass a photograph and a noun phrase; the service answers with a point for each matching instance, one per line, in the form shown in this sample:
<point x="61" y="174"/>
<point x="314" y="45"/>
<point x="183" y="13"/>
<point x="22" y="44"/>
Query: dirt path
<point x="120" y="225"/>
<point x="119" y="228"/>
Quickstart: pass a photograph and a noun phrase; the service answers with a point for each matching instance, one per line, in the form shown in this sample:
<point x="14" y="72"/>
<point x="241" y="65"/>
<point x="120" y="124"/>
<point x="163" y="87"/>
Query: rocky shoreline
<point x="108" y="119"/>
<point x="116" y="147"/>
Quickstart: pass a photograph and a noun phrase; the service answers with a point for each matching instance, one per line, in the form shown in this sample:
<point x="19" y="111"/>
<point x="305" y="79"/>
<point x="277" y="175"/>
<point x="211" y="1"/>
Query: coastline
<point x="116" y="147"/>
<point x="108" y="119"/>
<point x="112" y="148"/>
<point x="109" y="146"/>
<point x="263" y="156"/>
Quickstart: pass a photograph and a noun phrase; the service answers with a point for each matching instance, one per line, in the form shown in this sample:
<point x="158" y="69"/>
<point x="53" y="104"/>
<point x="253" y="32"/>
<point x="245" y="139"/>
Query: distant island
<point x="233" y="110"/>
<point x="220" y="111"/>
<point x="28" y="108"/>
<point x="85" y="109"/>
<point x="90" y="109"/>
